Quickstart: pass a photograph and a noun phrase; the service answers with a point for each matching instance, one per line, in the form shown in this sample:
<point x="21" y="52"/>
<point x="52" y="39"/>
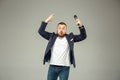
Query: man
<point x="59" y="52"/>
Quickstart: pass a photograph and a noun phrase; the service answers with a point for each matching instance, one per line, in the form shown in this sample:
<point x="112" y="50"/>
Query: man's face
<point x="61" y="30"/>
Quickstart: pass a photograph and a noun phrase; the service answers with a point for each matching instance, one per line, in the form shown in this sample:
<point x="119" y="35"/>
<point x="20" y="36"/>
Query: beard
<point x="61" y="34"/>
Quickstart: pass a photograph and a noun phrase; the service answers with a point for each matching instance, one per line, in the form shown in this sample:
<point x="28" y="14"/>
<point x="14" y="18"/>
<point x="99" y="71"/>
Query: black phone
<point x="75" y="17"/>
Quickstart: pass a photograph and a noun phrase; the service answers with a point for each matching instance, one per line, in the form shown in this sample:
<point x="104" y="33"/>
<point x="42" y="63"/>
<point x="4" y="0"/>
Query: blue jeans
<point x="58" y="71"/>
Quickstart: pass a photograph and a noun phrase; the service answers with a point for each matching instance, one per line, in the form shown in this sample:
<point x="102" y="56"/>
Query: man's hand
<point x="49" y="18"/>
<point x="78" y="22"/>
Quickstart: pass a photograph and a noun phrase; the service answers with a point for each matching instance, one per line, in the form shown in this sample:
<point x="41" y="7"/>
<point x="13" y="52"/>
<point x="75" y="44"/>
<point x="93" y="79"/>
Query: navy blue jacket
<point x="71" y="38"/>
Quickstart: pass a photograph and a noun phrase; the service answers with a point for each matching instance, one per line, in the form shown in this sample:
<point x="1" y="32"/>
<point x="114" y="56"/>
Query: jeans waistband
<point x="58" y="66"/>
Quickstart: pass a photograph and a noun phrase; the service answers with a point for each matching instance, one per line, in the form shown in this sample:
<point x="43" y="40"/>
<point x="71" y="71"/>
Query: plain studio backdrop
<point x="22" y="48"/>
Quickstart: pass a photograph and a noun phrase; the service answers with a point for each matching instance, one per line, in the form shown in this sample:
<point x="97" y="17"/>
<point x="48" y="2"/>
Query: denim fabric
<point x="58" y="71"/>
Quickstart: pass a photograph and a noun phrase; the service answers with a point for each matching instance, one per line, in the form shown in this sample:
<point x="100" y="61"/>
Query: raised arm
<point x="82" y="30"/>
<point x="42" y="28"/>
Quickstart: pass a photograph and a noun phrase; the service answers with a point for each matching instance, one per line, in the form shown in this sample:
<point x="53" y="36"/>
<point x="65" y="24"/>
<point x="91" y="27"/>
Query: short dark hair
<point x="62" y="23"/>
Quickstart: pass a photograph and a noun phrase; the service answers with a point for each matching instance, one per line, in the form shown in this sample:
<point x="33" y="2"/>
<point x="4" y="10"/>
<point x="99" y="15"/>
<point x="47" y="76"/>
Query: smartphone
<point x="75" y="17"/>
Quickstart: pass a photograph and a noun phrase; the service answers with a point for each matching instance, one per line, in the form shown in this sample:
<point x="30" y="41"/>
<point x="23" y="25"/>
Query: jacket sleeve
<point x="80" y="36"/>
<point x="42" y="31"/>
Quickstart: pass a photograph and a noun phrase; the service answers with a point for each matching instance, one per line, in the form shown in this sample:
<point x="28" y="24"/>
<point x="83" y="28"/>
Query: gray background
<point x="22" y="49"/>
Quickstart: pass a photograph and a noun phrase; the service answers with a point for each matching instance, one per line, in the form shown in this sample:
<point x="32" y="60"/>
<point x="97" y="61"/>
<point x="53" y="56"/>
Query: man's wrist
<point x="81" y="26"/>
<point x="46" y="21"/>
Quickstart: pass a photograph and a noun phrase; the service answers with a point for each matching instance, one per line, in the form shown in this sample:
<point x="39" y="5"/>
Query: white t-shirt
<point x="60" y="52"/>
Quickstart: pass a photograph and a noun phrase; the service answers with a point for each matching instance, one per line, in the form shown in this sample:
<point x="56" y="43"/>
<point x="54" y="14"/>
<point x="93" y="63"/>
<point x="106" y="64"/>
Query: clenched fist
<point x="49" y="18"/>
